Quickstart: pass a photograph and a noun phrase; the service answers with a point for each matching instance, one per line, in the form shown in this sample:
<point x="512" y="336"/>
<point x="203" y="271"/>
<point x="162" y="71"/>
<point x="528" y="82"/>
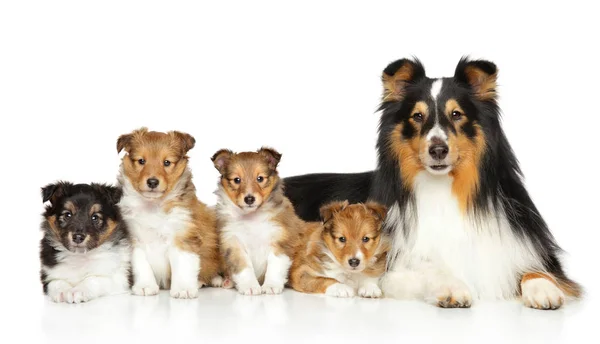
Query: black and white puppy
<point x="85" y="252"/>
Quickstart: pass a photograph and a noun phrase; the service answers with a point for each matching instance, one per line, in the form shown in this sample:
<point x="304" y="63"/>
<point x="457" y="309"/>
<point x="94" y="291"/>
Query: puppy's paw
<point x="77" y="295"/>
<point x="217" y="282"/>
<point x="145" y="290"/>
<point x="370" y="291"/>
<point x="272" y="289"/>
<point x="228" y="283"/>
<point x="540" y="293"/>
<point x="249" y="289"/>
<point x="57" y="291"/>
<point x="340" y="290"/>
<point x="184" y="293"/>
<point x="455" y="295"/>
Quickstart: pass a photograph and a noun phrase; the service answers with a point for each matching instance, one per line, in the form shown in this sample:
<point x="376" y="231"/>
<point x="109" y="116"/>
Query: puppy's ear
<point x="399" y="74"/>
<point x="480" y="76"/>
<point x="221" y="159"/>
<point x="186" y="140"/>
<point x="111" y="193"/>
<point x="376" y="209"/>
<point x="273" y="157"/>
<point x="329" y="210"/>
<point x="53" y="192"/>
<point x="125" y="141"/>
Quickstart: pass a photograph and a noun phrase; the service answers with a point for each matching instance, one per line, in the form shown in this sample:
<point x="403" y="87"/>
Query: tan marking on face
<point x="110" y="229"/>
<point x="155" y="148"/>
<point x="406" y="152"/>
<point x="70" y="206"/>
<point x="96" y="208"/>
<point x="52" y="224"/>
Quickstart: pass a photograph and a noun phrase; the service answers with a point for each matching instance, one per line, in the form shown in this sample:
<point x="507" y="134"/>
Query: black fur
<point x="83" y="197"/>
<point x="500" y="187"/>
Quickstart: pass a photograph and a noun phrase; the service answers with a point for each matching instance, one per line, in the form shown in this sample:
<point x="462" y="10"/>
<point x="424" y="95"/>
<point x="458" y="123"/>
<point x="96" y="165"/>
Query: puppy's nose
<point x="78" y="238"/>
<point x="249" y="199"/>
<point x="354" y="262"/>
<point x="438" y="151"/>
<point x="152" y="183"/>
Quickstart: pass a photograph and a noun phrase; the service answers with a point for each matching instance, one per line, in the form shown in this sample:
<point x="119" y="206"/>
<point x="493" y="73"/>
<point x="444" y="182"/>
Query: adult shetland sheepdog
<point x="175" y="241"/>
<point x="259" y="230"/>
<point x="462" y="222"/>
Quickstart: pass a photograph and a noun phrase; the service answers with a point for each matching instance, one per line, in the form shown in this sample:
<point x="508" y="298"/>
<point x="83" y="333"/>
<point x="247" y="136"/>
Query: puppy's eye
<point x="365" y="239"/>
<point x="260" y="179"/>
<point x="456" y="115"/>
<point x="67" y="214"/>
<point x="342" y="239"/>
<point x="418" y="117"/>
<point x="95" y="218"/>
<point x="141" y="161"/>
<point x="237" y="180"/>
<point x="167" y="163"/>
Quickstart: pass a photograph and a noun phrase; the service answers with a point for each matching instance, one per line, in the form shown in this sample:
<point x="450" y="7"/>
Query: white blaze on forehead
<point x="435" y="88"/>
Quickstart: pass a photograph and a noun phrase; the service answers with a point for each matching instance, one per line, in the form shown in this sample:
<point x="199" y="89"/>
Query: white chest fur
<point x="484" y="254"/>
<point x="256" y="234"/>
<point x="104" y="261"/>
<point x="153" y="230"/>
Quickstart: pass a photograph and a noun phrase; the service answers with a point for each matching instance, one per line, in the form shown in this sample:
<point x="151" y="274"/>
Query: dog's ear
<point x="52" y="192"/>
<point x="480" y="76"/>
<point x="221" y="158"/>
<point x="186" y="140"/>
<point x="399" y="74"/>
<point x="376" y="209"/>
<point x="329" y="210"/>
<point x="111" y="193"/>
<point x="125" y="141"/>
<point x="273" y="157"/>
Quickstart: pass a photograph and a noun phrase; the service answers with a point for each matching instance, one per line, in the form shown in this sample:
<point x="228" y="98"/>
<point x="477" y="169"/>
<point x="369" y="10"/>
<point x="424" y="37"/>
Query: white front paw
<point x="249" y="288"/>
<point x="78" y="295"/>
<point x="369" y="290"/>
<point x="57" y="291"/>
<point x="145" y="289"/>
<point x="452" y="295"/>
<point x="184" y="293"/>
<point x="340" y="290"/>
<point x="539" y="293"/>
<point x="272" y="288"/>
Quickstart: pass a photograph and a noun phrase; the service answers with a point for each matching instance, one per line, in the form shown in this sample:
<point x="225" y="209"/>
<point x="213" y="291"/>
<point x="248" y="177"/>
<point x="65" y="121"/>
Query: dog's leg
<point x="541" y="291"/>
<point x="143" y="276"/>
<point x="368" y="287"/>
<point x="185" y="268"/>
<point x="93" y="287"/>
<point x="240" y="268"/>
<point x="278" y="267"/>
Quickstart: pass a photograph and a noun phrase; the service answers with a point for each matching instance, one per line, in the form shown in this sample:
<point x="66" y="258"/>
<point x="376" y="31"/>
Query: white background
<point x="305" y="79"/>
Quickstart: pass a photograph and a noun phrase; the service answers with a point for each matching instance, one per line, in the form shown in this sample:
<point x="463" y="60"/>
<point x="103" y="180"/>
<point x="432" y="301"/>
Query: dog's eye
<point x="418" y="117"/>
<point x="260" y="179"/>
<point x="95" y="218"/>
<point x="237" y="180"/>
<point x="342" y="239"/>
<point x="141" y="161"/>
<point x="456" y="115"/>
<point x="67" y="214"/>
<point x="167" y="163"/>
<point x="365" y="239"/>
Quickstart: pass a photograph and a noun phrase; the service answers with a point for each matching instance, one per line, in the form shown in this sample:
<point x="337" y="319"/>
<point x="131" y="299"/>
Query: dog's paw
<point x="272" y="289"/>
<point x="540" y="293"/>
<point x="455" y="295"/>
<point x="227" y="283"/>
<point x="370" y="291"/>
<point x="145" y="290"/>
<point x="217" y="282"/>
<point x="77" y="295"/>
<point x="57" y="291"/>
<point x="249" y="289"/>
<point x="340" y="290"/>
<point x="184" y="293"/>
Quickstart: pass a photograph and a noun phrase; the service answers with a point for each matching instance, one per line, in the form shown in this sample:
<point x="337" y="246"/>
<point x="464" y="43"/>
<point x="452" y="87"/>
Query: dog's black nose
<point x="249" y="200"/>
<point x="354" y="262"/>
<point x="78" y="238"/>
<point x="152" y="183"/>
<point x="438" y="151"/>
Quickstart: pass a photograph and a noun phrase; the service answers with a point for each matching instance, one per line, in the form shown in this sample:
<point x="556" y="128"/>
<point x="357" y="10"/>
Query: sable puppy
<point x="85" y="251"/>
<point x="259" y="228"/>
<point x="344" y="254"/>
<point x="174" y="234"/>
